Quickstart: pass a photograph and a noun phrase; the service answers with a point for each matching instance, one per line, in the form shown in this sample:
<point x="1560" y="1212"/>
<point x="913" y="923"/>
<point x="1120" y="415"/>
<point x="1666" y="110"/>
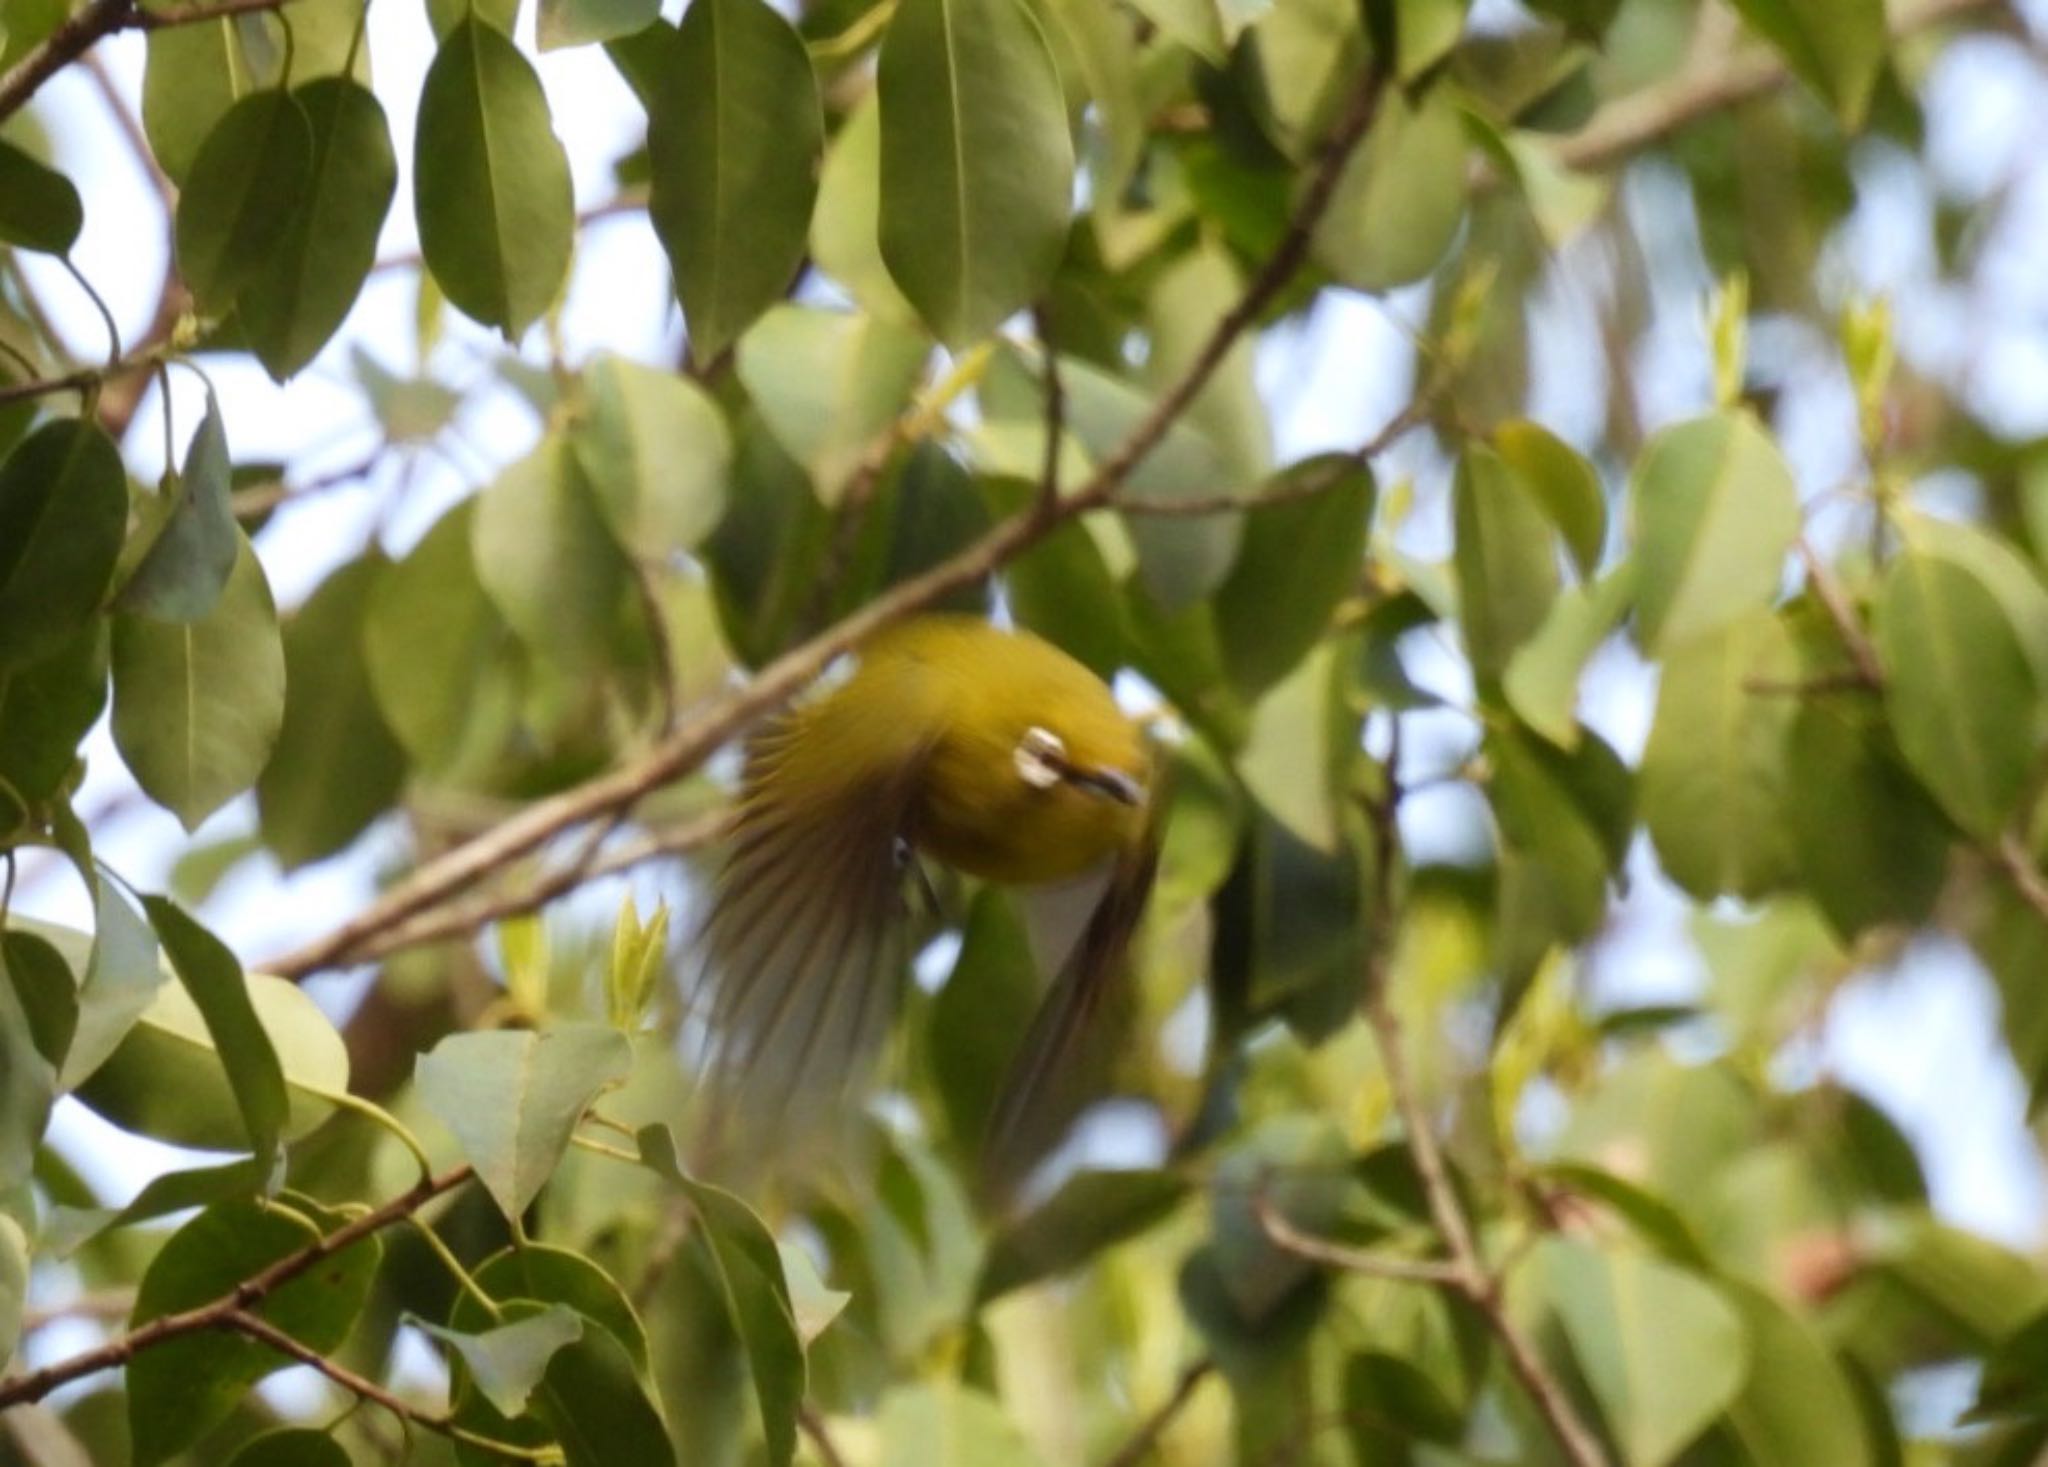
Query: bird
<point x="986" y="749"/>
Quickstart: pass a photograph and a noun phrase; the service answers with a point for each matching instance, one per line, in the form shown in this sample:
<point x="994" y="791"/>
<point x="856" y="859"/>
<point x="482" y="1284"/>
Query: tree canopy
<point x="1488" y="444"/>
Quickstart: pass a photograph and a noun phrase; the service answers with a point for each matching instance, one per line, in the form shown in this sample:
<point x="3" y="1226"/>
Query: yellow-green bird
<point x="989" y="750"/>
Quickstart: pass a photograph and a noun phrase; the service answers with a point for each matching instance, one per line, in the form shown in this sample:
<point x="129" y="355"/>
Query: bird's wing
<point x="806" y="945"/>
<point x="1062" y="1060"/>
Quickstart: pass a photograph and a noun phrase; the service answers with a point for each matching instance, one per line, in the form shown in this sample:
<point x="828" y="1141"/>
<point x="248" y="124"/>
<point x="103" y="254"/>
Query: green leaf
<point x="181" y="1388"/>
<point x="63" y="511"/>
<point x="1564" y="819"/>
<point x="813" y="1305"/>
<point x="1298" y="1162"/>
<point x="845" y="224"/>
<point x="1183" y="309"/>
<point x="46" y="990"/>
<point x="1715" y="770"/>
<point x="294" y="1446"/>
<point x="764" y="555"/>
<point x="2016" y="1376"/>
<point x="197" y="706"/>
<point x="977" y="167"/>
<point x="194" y="74"/>
<point x="595" y="1406"/>
<point x="656" y="452"/>
<point x="237" y="205"/>
<point x="182" y="574"/>
<point x="1297" y="751"/>
<point x="122" y="976"/>
<point x="579" y="22"/>
<point x="1959" y="687"/>
<point x="67" y="1229"/>
<point x="944" y="1421"/>
<point x="735" y="135"/>
<point x="1796" y="1406"/>
<point x="550" y="1275"/>
<point x="1838" y="49"/>
<point x="213" y="978"/>
<point x="1541" y="683"/>
<point x="544" y="557"/>
<point x="1092" y="1210"/>
<point x="513" y="1098"/>
<point x="490" y="181"/>
<point x="39" y="208"/>
<point x="13" y="1281"/>
<point x="168" y="1079"/>
<point x="1715" y="512"/>
<point x="435" y="645"/>
<point x="1411" y="167"/>
<point x="47" y="707"/>
<point x="1062" y="589"/>
<point x="1563" y="482"/>
<point x="1664" y="1353"/>
<point x="1505" y="560"/>
<point x="311" y="280"/>
<point x="826" y="383"/>
<point x="28" y="1084"/>
<point x="756" y="1294"/>
<point x="337" y="765"/>
<point x="976" y="1020"/>
<point x="507" y="1363"/>
<point x="1297" y="562"/>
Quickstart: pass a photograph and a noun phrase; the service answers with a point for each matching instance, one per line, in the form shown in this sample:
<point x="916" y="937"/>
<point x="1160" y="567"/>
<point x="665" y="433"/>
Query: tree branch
<point x="695" y="740"/>
<point x="1629" y="124"/>
<point x="96" y="20"/>
<point x="1290" y="1239"/>
<point x="1140" y="1443"/>
<point x="213" y="1315"/>
<point x="1470" y="1275"/>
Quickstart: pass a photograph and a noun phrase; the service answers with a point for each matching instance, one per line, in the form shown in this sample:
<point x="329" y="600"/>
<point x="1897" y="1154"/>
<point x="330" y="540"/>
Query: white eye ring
<point x="1041" y="758"/>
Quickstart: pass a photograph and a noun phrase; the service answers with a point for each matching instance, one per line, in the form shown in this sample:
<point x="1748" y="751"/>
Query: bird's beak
<point x="1113" y="784"/>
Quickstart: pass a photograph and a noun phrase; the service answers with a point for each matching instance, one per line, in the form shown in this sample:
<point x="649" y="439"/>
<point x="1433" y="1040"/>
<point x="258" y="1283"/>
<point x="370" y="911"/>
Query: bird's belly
<point x="1020" y="842"/>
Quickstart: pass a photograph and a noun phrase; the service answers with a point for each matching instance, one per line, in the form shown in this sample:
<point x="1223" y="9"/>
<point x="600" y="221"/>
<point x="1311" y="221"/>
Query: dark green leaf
<point x="1090" y="1212"/>
<point x="213" y="977"/>
<point x="296" y="1446"/>
<point x="337" y="765"/>
<point x="735" y="136"/>
<point x="195" y="73"/>
<point x="513" y="1098"/>
<point x="554" y="1276"/>
<point x="1297" y="562"/>
<point x="544" y="557"/>
<point x="490" y="181"/>
<point x="311" y="281"/>
<point x="46" y="708"/>
<point x="246" y="185"/>
<point x="977" y="168"/>
<point x="63" y="509"/>
<point x="765" y="553"/>
<point x="978" y="1018"/>
<point x="596" y="1407"/>
<point x="756" y="1294"/>
<point x="197" y="706"/>
<point x="180" y="1389"/>
<point x="28" y="1083"/>
<point x="1715" y="512"/>
<point x="46" y="989"/>
<point x="39" y="208"/>
<point x="1838" y="48"/>
<point x="186" y="568"/>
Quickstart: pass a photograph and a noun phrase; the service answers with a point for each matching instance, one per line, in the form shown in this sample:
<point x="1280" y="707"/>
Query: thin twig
<point x="93" y="22"/>
<point x="695" y="740"/>
<point x="2011" y="856"/>
<point x="156" y="20"/>
<point x="1140" y="1443"/>
<point x="1836" y="602"/>
<point x="813" y="1424"/>
<point x="1055" y="410"/>
<point x="1290" y="1239"/>
<point x="252" y="1290"/>
<point x="1470" y="1275"/>
<point x="241" y="1322"/>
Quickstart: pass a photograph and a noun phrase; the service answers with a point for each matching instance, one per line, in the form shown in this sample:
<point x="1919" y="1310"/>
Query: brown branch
<point x="695" y="740"/>
<point x="1055" y="410"/>
<point x="444" y="923"/>
<point x="85" y="28"/>
<point x="1140" y="1443"/>
<point x="2011" y="857"/>
<point x="213" y="1315"/>
<point x="1629" y="124"/>
<point x="156" y="20"/>
<point x="261" y="1330"/>
<point x="1470" y="1275"/>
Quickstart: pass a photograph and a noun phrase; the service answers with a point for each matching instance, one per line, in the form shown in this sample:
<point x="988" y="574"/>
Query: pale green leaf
<point x="656" y="452"/>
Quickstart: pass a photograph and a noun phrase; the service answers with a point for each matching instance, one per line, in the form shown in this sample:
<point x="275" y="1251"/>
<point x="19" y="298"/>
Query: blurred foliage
<point x="890" y="224"/>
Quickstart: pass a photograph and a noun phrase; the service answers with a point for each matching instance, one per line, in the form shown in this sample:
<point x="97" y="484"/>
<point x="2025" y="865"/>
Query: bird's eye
<point x="1041" y="758"/>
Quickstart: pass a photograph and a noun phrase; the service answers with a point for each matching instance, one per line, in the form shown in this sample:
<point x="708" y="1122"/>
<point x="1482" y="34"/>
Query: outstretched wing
<point x="806" y="946"/>
<point x="1063" y="1059"/>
